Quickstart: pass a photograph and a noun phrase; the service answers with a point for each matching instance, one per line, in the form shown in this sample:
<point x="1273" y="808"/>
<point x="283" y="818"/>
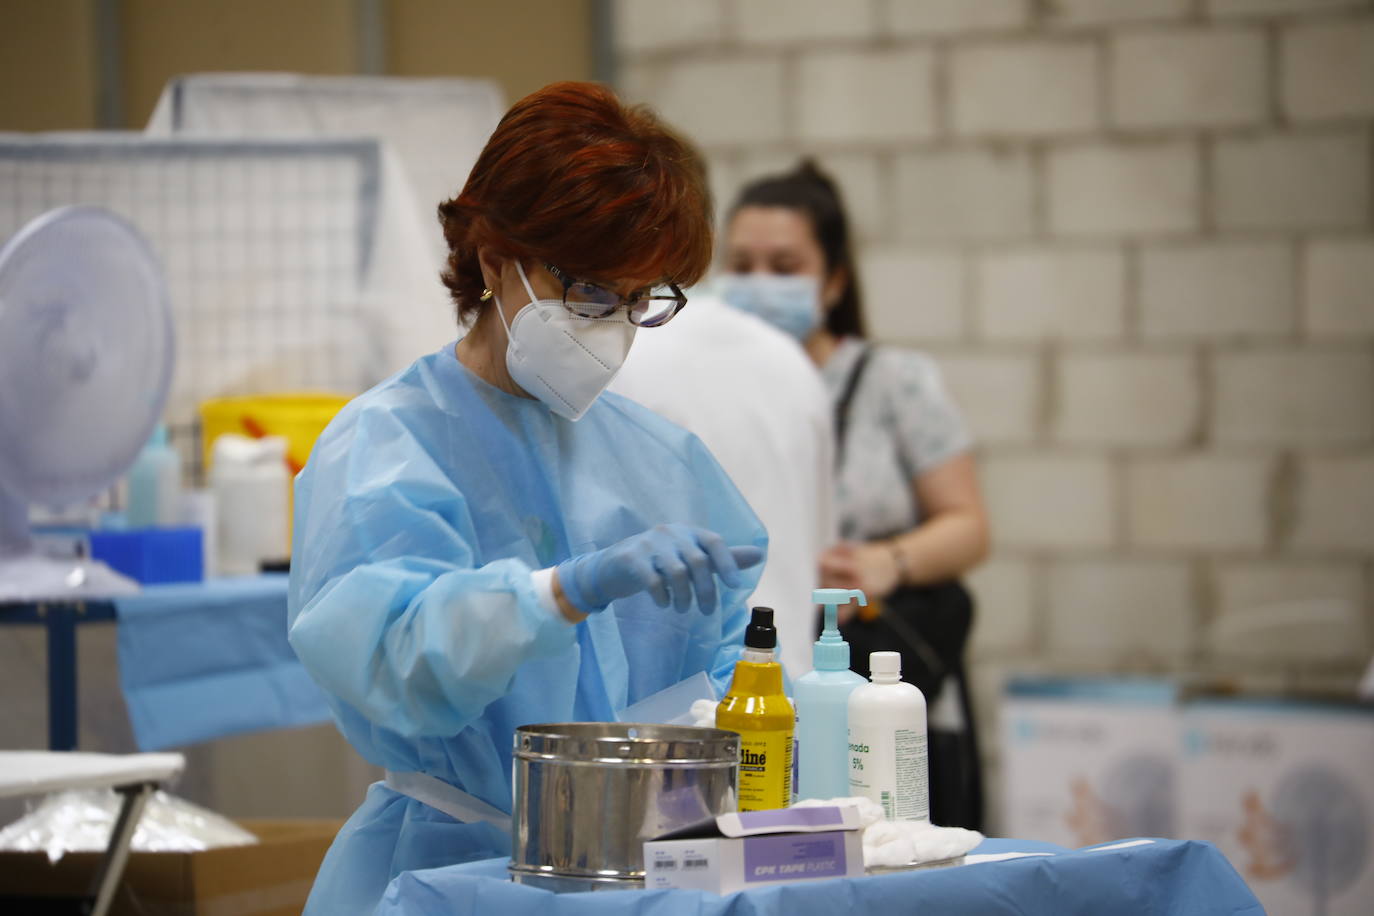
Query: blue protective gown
<point x="425" y="507"/>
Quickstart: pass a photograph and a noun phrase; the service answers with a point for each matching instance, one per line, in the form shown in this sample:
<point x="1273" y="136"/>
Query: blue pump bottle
<point x="822" y="699"/>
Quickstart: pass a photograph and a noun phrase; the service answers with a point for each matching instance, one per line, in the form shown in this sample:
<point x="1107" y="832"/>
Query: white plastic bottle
<point x="887" y="742"/>
<point x="252" y="488"/>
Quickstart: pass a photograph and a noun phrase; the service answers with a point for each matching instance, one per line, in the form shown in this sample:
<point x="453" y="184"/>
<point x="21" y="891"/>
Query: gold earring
<point x="486" y="294"/>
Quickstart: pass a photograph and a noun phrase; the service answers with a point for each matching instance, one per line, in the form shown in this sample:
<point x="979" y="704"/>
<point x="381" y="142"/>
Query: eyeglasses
<point x="647" y="308"/>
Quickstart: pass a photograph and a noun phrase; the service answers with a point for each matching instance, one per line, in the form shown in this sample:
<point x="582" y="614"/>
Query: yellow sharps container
<point x="299" y="417"/>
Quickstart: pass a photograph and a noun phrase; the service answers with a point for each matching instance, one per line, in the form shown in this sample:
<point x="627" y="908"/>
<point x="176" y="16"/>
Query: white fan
<point x="86" y="353"/>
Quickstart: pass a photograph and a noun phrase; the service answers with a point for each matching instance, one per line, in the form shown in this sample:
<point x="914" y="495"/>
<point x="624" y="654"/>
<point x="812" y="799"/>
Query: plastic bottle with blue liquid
<point x="822" y="698"/>
<point x="155" y="484"/>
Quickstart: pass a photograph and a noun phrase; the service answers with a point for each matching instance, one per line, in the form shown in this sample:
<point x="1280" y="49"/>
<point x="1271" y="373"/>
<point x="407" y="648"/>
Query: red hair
<point x="573" y="177"/>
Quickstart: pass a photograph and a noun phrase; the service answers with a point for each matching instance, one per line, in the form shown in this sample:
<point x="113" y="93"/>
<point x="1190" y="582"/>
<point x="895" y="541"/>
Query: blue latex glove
<point x="670" y="562"/>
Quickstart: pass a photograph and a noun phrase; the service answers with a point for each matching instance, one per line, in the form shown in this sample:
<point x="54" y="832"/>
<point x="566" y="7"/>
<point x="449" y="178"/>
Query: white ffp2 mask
<point x="563" y="360"/>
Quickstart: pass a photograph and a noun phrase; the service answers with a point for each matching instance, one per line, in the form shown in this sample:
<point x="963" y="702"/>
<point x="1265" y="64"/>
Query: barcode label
<point x="696" y="863"/>
<point x="665" y="864"/>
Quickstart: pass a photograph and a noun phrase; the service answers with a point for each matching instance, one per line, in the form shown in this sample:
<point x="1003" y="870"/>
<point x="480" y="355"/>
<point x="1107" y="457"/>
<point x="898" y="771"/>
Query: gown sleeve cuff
<point x="542" y="580"/>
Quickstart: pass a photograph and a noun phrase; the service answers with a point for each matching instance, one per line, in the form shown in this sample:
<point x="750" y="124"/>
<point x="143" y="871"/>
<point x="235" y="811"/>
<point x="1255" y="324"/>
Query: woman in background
<point x="909" y="507"/>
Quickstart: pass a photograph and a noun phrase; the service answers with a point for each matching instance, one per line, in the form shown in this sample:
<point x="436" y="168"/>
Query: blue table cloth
<point x="1180" y="878"/>
<point x="208" y="659"/>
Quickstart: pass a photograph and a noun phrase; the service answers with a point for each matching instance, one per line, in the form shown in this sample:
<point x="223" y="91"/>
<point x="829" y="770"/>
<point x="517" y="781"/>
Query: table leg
<point x="121" y="838"/>
<point x="61" y="623"/>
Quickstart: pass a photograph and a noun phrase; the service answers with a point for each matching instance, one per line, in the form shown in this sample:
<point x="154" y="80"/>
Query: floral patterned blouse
<point x="902" y="423"/>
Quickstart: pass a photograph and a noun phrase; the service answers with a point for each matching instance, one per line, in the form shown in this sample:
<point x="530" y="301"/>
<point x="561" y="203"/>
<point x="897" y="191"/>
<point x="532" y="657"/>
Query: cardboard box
<point x="1086" y="761"/>
<point x="733" y="852"/>
<point x="1285" y="789"/>
<point x="270" y="878"/>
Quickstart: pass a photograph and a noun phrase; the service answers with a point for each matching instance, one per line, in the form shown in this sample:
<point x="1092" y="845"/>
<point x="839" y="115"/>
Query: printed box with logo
<point x="1088" y="761"/>
<point x="733" y="852"/>
<point x="1285" y="789"/>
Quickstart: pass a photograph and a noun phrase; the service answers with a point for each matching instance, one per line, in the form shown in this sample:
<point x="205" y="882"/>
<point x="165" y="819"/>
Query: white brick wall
<point x="781" y="21"/>
<point x="945" y="17"/>
<point x="1312" y="396"/>
<point x="1004" y="619"/>
<point x="964" y="195"/>
<point x="913" y="296"/>
<point x="1222" y="290"/>
<point x="1000" y="395"/>
<point x="1274" y="7"/>
<point x="1291" y="612"/>
<point x="1335" y="505"/>
<point x="723" y="176"/>
<point x="1049" y="294"/>
<point x="1137" y="189"/>
<point x="1122" y="610"/>
<point x="650" y="25"/>
<point x="878" y="96"/>
<point x="1126" y="399"/>
<point x="1050" y="501"/>
<point x="1199" y="503"/>
<point x="1193" y="76"/>
<point x="1339" y="287"/>
<point x="1328" y="69"/>
<point x="1307" y="181"/>
<point x="719" y="101"/>
<point x="758" y="161"/>
<point x="1041" y="87"/>
<point x="1096" y="12"/>
<point x="1245" y="585"/>
<point x="1138" y="236"/>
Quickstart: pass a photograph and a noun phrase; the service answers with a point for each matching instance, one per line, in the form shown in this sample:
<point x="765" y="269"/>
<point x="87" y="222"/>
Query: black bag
<point x="928" y="624"/>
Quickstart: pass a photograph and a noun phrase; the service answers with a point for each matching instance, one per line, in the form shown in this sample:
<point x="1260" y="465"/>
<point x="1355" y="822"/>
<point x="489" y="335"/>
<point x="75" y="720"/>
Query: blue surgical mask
<point x="790" y="303"/>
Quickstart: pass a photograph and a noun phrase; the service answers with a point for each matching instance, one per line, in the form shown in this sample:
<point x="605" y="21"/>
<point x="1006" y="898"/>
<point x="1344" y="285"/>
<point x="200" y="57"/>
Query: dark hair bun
<point x="808" y="170"/>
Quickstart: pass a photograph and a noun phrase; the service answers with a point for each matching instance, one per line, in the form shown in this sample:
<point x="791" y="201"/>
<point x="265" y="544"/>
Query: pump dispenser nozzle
<point x="831" y="652"/>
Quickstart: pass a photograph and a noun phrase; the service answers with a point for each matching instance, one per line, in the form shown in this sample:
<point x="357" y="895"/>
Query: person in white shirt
<point x="751" y="394"/>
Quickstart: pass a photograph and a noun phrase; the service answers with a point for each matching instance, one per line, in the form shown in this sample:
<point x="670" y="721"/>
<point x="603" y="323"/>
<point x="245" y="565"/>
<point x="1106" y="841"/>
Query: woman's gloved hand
<point x="670" y="562"/>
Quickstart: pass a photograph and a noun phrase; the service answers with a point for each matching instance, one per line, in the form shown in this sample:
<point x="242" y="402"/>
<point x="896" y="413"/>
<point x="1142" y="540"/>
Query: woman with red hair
<point x="486" y="540"/>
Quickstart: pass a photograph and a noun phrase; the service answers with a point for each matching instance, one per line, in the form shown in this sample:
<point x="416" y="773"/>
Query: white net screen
<point x="266" y="247"/>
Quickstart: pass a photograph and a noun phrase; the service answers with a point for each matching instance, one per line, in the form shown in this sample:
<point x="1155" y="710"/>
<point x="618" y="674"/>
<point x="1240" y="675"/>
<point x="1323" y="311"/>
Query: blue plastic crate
<point x="152" y="555"/>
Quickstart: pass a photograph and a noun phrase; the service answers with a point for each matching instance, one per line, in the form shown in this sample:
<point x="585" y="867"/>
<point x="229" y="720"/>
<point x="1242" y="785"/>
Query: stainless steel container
<point x="588" y="794"/>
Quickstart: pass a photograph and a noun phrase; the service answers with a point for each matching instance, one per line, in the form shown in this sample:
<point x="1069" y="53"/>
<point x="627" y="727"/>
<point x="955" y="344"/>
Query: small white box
<point x="733" y="852"/>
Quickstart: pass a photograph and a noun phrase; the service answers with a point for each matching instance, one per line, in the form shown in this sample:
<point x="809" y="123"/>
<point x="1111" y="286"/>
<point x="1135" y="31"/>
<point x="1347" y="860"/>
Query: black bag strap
<point x="851" y="385"/>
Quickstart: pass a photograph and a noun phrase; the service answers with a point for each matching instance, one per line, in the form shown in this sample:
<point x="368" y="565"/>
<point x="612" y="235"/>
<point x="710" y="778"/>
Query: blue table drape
<point x="205" y="660"/>
<point x="1181" y="878"/>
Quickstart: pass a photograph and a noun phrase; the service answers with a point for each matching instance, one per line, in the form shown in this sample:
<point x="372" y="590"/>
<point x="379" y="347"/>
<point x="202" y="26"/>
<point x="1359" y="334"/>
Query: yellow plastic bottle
<point x="757" y="709"/>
